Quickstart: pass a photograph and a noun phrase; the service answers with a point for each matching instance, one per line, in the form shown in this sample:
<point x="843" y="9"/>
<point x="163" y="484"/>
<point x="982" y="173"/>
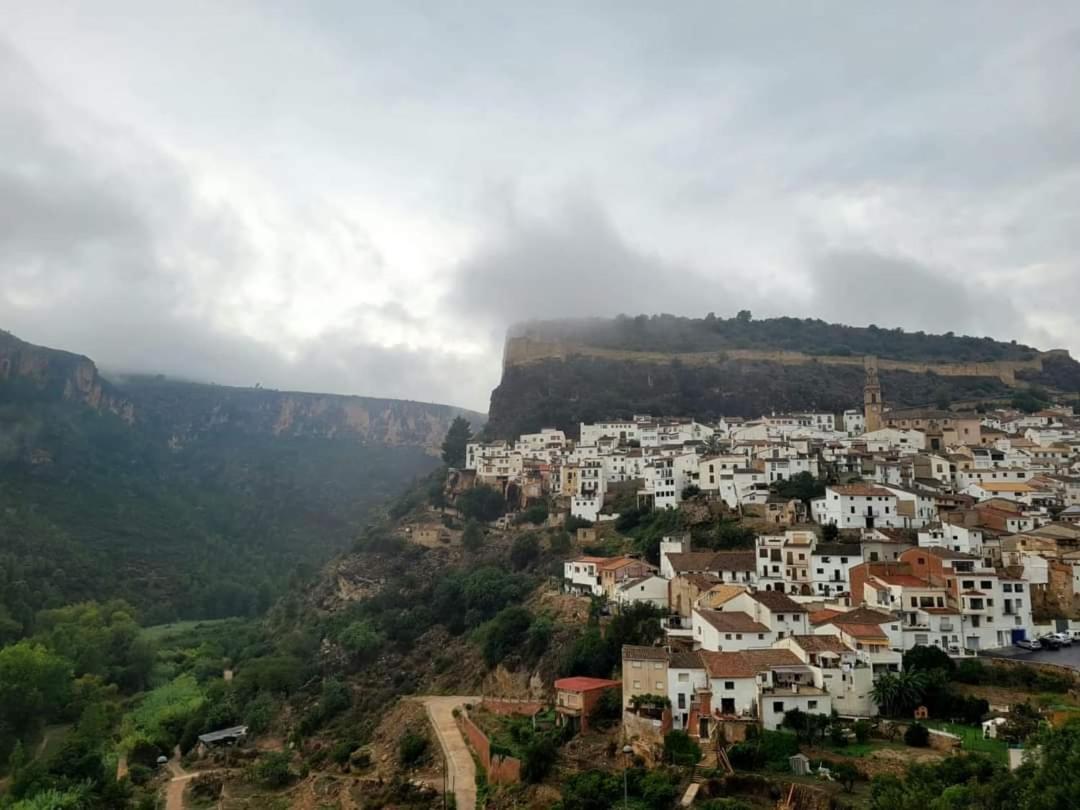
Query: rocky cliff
<point x="563" y="373"/>
<point x="182" y="411"/>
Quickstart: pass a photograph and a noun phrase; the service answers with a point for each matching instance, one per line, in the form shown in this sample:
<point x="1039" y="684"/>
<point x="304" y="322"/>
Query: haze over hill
<point x="563" y="372"/>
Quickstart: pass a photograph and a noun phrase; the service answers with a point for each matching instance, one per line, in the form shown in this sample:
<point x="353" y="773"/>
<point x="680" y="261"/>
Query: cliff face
<point x="186" y="411"/>
<point x="551" y="378"/>
<point x="50" y="373"/>
<point x="181" y="412"/>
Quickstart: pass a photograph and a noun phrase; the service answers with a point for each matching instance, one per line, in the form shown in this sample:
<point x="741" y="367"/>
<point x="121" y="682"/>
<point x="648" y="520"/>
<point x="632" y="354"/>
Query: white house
<point x="583" y="575"/>
<point x="830" y="567"/>
<point x="857" y="506"/>
<point x="652" y="589"/>
<point x="728" y="630"/>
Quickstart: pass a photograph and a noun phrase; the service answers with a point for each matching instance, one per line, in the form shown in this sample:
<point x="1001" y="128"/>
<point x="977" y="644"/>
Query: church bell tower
<point x="872" y="405"/>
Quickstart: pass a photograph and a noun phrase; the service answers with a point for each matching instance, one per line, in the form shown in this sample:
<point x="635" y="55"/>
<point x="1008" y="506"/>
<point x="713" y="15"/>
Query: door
<point x="727" y="705"/>
<point x="703" y="728"/>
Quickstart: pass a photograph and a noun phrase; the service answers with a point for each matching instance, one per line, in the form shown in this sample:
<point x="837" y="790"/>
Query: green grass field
<point x="972" y="737"/>
<point x="159" y="632"/>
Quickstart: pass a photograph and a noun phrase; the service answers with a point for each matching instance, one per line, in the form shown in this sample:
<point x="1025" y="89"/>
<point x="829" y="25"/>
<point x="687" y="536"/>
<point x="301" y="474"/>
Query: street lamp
<point x="627" y="751"/>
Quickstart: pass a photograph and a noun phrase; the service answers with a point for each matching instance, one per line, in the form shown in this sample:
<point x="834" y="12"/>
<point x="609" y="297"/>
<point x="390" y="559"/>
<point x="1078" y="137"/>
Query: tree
<point x="482" y="503"/>
<point x="34" y="683"/>
<point x="560" y="543"/>
<point x="846" y="774"/>
<point x="524" y="551"/>
<point x="412" y="748"/>
<point x="917" y="736"/>
<point x="679" y="749"/>
<point x="453" y="446"/>
<point x="472" y="538"/>
<point x="899" y="693"/>
<point x="362" y="640"/>
<point x="803" y="487"/>
<point x="1022" y="721"/>
<point x="507" y="631"/>
<point x="272" y="770"/>
<point x="538" y="758"/>
<point x="690" y="491"/>
<point x="829" y="533"/>
<point x="925" y="658"/>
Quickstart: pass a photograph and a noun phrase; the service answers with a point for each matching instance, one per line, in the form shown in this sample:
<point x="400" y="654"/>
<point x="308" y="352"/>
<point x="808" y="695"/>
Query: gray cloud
<point x="304" y="199"/>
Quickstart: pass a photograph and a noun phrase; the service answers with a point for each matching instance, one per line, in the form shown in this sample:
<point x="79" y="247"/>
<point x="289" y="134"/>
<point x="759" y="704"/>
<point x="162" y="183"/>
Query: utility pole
<point x="627" y="750"/>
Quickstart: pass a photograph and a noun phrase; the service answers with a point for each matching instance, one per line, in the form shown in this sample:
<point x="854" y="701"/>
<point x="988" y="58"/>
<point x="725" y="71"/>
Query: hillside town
<point x="877" y="531"/>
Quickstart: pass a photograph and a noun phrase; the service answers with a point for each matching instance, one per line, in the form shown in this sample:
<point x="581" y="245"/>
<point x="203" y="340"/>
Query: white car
<point x="1064" y="639"/>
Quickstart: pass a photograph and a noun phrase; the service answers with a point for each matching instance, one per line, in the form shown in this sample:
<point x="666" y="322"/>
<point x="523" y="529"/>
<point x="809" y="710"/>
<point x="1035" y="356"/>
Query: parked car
<point x="1028" y="644"/>
<point x="1049" y="642"/>
<point x="1064" y="639"/>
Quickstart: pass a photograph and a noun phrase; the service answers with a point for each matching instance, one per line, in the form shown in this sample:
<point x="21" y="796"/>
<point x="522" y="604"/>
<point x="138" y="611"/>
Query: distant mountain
<point x="560" y="373"/>
<point x="190" y="500"/>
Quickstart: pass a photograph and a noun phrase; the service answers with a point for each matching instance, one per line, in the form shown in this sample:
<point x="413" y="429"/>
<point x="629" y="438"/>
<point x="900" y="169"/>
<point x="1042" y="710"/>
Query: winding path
<point x="174" y="793"/>
<point x="461" y="770"/>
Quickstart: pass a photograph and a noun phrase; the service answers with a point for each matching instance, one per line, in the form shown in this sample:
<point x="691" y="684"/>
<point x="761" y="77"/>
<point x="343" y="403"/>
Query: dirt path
<point x="174" y="794"/>
<point x="461" y="771"/>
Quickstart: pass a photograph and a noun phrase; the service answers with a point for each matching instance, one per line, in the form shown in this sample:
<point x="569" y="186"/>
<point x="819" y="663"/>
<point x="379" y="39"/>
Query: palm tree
<point x="885" y="692"/>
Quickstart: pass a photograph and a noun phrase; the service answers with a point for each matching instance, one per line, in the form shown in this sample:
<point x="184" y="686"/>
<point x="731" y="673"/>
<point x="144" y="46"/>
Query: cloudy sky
<point x="359" y="197"/>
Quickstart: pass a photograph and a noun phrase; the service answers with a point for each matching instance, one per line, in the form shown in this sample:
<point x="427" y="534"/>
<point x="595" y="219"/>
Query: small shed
<point x="990" y="727"/>
<point x="922" y="713"/>
<point x="800" y="764"/>
<point x="223" y="737"/>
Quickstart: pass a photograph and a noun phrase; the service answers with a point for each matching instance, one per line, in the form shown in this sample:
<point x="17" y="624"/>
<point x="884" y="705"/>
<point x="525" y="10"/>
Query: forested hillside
<point x="187" y="500"/>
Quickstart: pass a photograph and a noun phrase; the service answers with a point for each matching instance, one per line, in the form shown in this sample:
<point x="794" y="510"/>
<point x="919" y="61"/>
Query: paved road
<point x="1066" y="656"/>
<point x="461" y="772"/>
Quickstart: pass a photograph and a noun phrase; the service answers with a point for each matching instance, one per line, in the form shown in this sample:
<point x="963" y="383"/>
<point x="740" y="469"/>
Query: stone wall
<point x="521" y="351"/>
<point x="510" y="706"/>
<point x="501" y="770"/>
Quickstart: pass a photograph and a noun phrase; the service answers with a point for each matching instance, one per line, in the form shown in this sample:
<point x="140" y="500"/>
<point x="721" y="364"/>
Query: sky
<point x="360" y="197"/>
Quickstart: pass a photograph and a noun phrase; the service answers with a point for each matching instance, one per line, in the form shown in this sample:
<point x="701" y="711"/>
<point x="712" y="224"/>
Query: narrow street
<point x="461" y="770"/>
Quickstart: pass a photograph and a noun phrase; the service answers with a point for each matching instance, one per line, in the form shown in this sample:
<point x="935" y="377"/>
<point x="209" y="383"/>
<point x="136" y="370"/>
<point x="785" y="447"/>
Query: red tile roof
<point x="746" y="664"/>
<point x="580" y="684"/>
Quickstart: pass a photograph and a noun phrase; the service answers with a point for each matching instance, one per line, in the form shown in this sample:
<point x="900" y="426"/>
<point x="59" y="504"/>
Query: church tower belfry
<point x="872" y="404"/>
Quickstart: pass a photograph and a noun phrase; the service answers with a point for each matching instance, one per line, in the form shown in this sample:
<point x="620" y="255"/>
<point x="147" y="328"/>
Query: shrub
<point x="837" y="735"/>
<point x="917" y="736"/>
<point x="272" y="770"/>
<point x="560" y="543"/>
<point x="524" y="551"/>
<point x="482" y="503"/>
<point x="846" y="774"/>
<point x="507" y="631"/>
<point x="862" y="731"/>
<point x="679" y="749"/>
<point x="535" y="515"/>
<point x="472" y="538"/>
<point x="140" y="774"/>
<point x="537" y="758"/>
<point x="412" y="748"/>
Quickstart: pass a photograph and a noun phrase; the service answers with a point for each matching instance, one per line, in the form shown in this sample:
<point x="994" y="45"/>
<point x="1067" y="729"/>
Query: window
<point x="660" y="687"/>
<point x="727" y="636"/>
<point x="811" y="704"/>
<point x="729" y="684"/>
<point x="637" y="684"/>
<point x="684" y="677"/>
<point x="738" y="636"/>
<point x="761" y="636"/>
<point x="636" y="665"/>
<point x="778" y="706"/>
<point x="682" y="700"/>
<point x="986" y="584"/>
<point x="843" y="560"/>
<point x="658" y="665"/>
